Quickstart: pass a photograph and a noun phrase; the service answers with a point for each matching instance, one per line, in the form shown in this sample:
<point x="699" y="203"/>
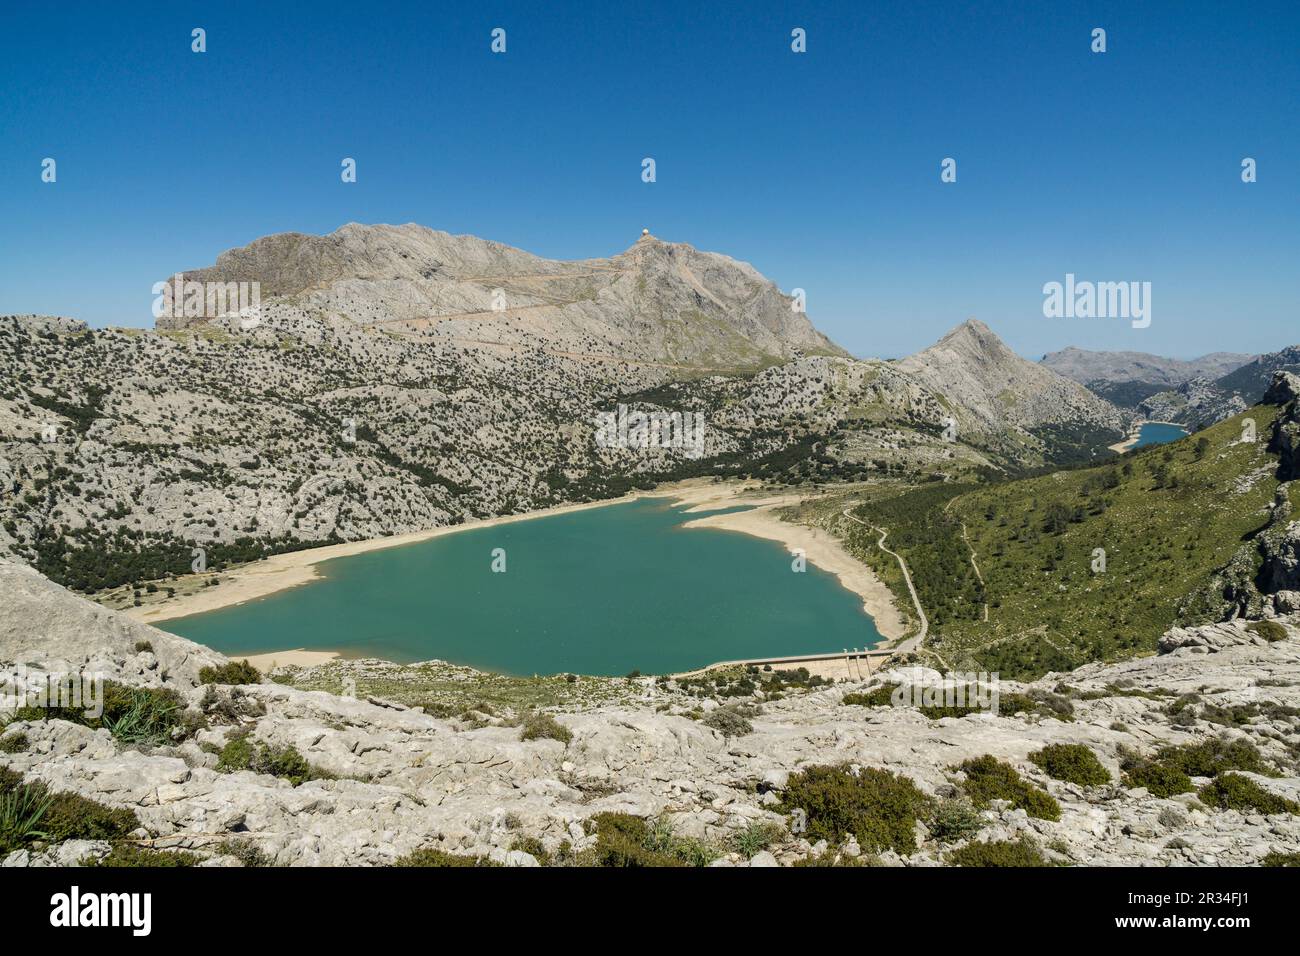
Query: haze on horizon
<point x="821" y="169"/>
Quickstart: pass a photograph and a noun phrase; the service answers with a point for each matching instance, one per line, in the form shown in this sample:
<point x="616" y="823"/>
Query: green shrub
<point x="231" y="672"/>
<point x="1212" y="757"/>
<point x="245" y="851"/>
<point x="430" y="857"/>
<point x="876" y="697"/>
<point x="544" y="726"/>
<point x="14" y="743"/>
<point x="1160" y="780"/>
<point x="1073" y="763"/>
<point x="241" y="752"/>
<point x="1232" y="791"/>
<point x="1275" y="858"/>
<point x="955" y="820"/>
<point x="989" y="779"/>
<point x="878" y="808"/>
<point x="533" y="847"/>
<point x="728" y="722"/>
<point x="74" y="817"/>
<point x="127" y="855"/>
<point x="1268" y="630"/>
<point x="143" y="646"/>
<point x="998" y="853"/>
<point x="624" y="840"/>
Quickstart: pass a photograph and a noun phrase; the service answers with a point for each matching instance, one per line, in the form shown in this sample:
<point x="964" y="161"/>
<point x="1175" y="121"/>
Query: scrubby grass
<point x="241" y="752"/>
<point x="246" y="851"/>
<point x="878" y="808"/>
<point x="999" y="853"/>
<point x="126" y="855"/>
<point x="31" y="811"/>
<point x="141" y="716"/>
<point x="989" y="779"/>
<point x="1073" y="763"/>
<point x="431" y="857"/>
<point x="1274" y="858"/>
<point x="1232" y="791"/>
<point x="624" y="840"/>
<point x="755" y="838"/>
<point x="545" y="727"/>
<point x="14" y="743"/>
<point x="232" y="672"/>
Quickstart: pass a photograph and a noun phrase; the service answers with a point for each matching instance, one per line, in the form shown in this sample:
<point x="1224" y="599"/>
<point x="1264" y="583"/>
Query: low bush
<point x="728" y="722"/>
<point x="1001" y="853"/>
<point x="876" y="697"/>
<point x="231" y="672"/>
<point x="430" y="857"/>
<point x="544" y="726"/>
<point x="955" y="820"/>
<point x="241" y="752"/>
<point x="878" y="808"/>
<point x="1232" y="791"/>
<point x="126" y="855"/>
<point x="989" y="779"/>
<point x="1274" y="858"/>
<point x="1268" y="630"/>
<point x="1073" y="763"/>
<point x="1210" y="758"/>
<point x="31" y="811"/>
<point x="14" y="743"/>
<point x="1159" y="779"/>
<point x="245" y="851"/>
<point x="624" y="840"/>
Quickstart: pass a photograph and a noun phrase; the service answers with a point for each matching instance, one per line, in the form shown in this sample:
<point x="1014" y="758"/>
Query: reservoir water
<point x="600" y="591"/>
<point x="1157" y="433"/>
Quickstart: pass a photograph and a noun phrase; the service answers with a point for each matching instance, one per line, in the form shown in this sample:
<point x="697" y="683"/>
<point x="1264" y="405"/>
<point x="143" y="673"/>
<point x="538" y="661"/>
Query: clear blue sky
<point x="821" y="169"/>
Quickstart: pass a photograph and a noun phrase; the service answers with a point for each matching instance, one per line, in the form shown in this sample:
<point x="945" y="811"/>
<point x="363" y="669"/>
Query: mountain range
<point x="379" y="391"/>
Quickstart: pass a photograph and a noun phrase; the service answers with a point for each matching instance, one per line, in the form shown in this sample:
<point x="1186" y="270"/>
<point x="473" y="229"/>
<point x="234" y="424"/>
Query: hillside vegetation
<point x="1166" y="517"/>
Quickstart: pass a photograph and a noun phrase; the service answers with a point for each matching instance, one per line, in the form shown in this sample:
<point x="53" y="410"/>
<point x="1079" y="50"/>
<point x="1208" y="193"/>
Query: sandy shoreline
<point x="282" y="571"/>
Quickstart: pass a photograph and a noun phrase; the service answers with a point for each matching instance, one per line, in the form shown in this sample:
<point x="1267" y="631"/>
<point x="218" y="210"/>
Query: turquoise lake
<point x="1157" y="433"/>
<point x="601" y="591"/>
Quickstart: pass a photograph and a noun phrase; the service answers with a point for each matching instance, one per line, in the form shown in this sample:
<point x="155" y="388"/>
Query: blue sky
<point x="821" y="169"/>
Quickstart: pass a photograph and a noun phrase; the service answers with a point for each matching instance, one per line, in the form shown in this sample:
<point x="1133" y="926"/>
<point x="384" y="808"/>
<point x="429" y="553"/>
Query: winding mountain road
<point x="912" y="643"/>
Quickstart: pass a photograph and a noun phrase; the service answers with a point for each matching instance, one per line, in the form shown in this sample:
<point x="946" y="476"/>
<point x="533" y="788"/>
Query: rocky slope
<point x="658" y="302"/>
<point x="378" y="393"/>
<point x="991" y="387"/>
<point x="1203" y="401"/>
<point x="1087" y="367"/>
<point x="397" y="779"/>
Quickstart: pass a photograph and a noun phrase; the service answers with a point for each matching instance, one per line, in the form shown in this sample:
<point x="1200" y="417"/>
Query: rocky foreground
<point x="387" y="779"/>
